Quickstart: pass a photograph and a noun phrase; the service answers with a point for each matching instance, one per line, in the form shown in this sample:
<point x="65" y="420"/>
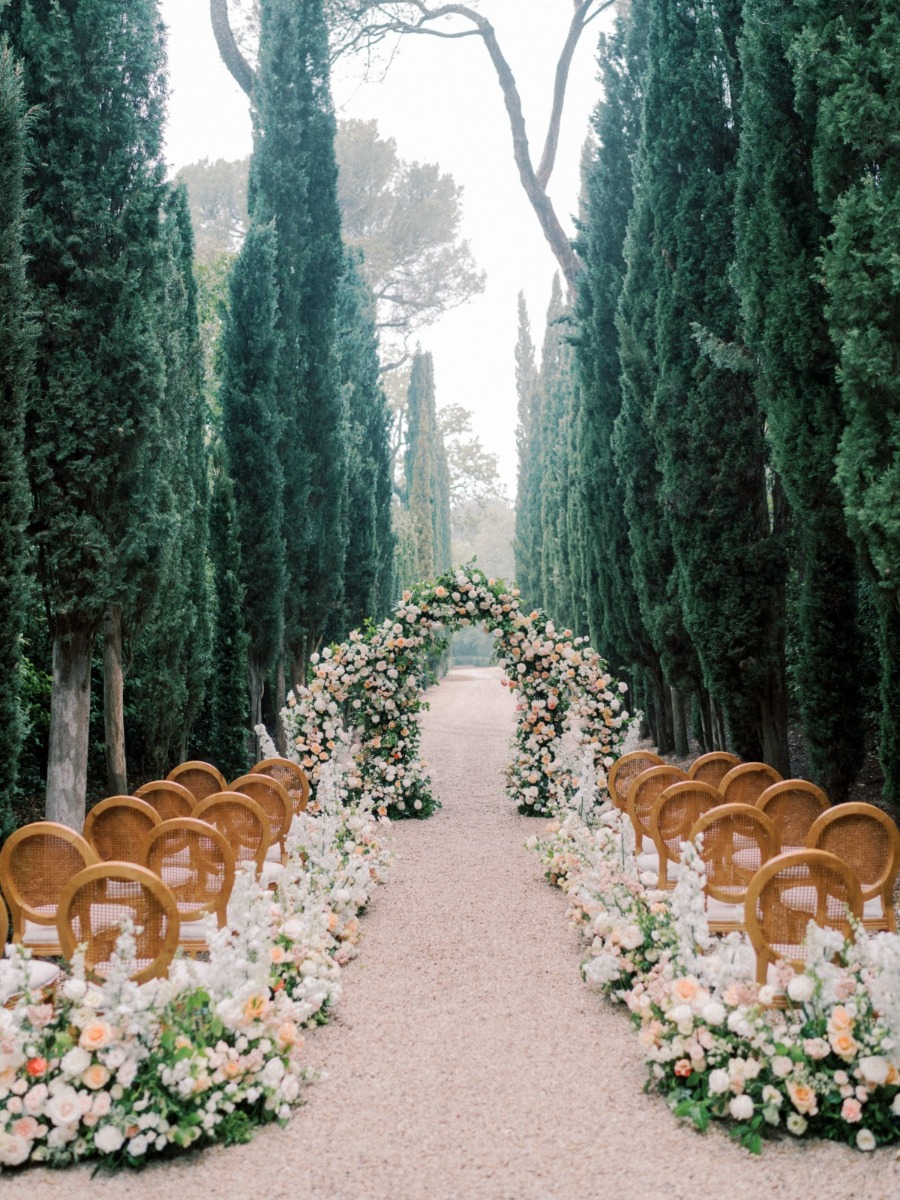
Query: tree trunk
<point x="257" y="680"/>
<point x="231" y="56"/>
<point x="679" y="724"/>
<point x="662" y="709"/>
<point x="280" y="701"/>
<point x="70" y="712"/>
<point x="114" y="703"/>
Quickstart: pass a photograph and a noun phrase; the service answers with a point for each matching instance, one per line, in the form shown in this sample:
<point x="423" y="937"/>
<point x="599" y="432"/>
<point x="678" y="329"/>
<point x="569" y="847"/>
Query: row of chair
<point x="164" y="872"/>
<point x="773" y="863"/>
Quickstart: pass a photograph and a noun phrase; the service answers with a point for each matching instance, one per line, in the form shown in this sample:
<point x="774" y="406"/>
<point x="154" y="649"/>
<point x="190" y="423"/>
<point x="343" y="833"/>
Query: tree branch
<point x="231" y="56"/>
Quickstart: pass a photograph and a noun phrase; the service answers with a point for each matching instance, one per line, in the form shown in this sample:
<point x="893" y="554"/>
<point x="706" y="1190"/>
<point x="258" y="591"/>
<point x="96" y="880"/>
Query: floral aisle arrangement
<point x="119" y="1072"/>
<point x="825" y="1064"/>
<point x="368" y="694"/>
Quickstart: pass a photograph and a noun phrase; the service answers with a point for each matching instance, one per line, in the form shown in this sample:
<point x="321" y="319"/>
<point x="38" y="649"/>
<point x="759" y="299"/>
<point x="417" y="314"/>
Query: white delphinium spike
<point x="689" y="908"/>
<point x="267" y="747"/>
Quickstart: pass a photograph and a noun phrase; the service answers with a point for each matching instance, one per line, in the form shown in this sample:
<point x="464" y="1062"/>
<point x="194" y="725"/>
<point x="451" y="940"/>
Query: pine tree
<point x="293" y="182"/>
<point x="845" y="63"/>
<point x="94" y="75"/>
<point x="781" y="228"/>
<point x="528" y="483"/>
<point x="251" y="430"/>
<point x="15" y="360"/>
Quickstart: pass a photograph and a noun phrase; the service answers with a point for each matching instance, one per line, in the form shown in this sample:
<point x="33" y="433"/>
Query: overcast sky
<point x="441" y="102"/>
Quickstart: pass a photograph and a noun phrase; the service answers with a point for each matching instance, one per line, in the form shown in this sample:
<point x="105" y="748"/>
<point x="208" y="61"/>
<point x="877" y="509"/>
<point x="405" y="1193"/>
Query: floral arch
<point x="366" y="695"/>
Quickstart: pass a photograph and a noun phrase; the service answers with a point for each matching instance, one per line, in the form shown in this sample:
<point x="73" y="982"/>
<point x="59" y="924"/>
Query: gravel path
<point x="467" y="1060"/>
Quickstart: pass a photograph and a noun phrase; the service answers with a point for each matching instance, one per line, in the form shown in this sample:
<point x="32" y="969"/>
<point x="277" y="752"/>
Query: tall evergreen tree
<point x="251" y="428"/>
<point x="425" y="547"/>
<point x="293" y="182"/>
<point x="94" y="74"/>
<point x="847" y="87"/>
<point x="15" y="360"/>
<point x="528" y="483"/>
<point x="781" y="228"/>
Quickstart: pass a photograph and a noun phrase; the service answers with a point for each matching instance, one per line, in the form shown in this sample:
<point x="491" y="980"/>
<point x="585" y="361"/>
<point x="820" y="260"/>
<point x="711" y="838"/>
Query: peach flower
<point x="803" y="1097"/>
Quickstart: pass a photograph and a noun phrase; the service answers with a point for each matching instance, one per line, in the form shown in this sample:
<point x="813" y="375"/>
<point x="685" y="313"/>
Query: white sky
<point x="441" y="102"/>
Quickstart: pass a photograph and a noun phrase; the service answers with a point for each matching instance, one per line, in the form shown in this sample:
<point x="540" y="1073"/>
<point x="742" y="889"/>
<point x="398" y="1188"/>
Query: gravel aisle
<point x="467" y="1060"/>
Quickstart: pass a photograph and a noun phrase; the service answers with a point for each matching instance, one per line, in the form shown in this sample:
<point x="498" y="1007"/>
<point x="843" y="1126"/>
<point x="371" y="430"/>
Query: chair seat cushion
<point x="720" y="910"/>
<point x="40" y="975"/>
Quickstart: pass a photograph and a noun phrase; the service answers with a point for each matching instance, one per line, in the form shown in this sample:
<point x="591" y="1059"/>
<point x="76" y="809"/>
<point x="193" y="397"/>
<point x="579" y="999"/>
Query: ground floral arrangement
<point x="120" y="1072"/>
<point x="826" y="1064"/>
<point x="368" y="694"/>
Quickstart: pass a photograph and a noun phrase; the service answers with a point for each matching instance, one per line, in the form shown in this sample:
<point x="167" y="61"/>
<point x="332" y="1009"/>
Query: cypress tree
<point x="293" y="182"/>
<point x="15" y="361"/>
<point x="94" y="74"/>
<point x="781" y="228"/>
<point x="845" y="63"/>
<point x="228" y="740"/>
<point x="425" y="550"/>
<point x="528" y="480"/>
<point x="251" y="429"/>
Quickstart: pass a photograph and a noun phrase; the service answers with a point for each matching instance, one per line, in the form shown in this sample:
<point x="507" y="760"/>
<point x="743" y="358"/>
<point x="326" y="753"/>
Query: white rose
<point x="76" y="1061"/>
<point x="781" y="1066"/>
<point x="766" y="995"/>
<point x="796" y="1124"/>
<point x="865" y="1139"/>
<point x="138" y="1145"/>
<point x="801" y="988"/>
<point x="64" y="1108"/>
<point x="13" y="1150"/>
<point x="874" y="1069"/>
<point x="632" y="936"/>
<point x="682" y="1017"/>
<point x="741" y="1108"/>
<point x="108" y="1139"/>
<point x="719" y="1082"/>
<point x="713" y="1013"/>
<point x="74" y="989"/>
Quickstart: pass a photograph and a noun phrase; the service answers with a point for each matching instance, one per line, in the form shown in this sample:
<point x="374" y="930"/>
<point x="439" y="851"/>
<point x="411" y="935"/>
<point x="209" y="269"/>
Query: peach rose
<point x="685" y="989"/>
<point x="803" y="1097"/>
<point x="95" y="1077"/>
<point x="96" y="1035"/>
<point x="843" y="1044"/>
<point x="840" y="1020"/>
<point x="851" y="1110"/>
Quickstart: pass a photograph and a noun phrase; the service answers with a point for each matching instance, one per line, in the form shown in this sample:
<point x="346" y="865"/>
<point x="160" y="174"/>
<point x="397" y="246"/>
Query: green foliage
<point x="424" y="539"/>
<point x="528" y="482"/>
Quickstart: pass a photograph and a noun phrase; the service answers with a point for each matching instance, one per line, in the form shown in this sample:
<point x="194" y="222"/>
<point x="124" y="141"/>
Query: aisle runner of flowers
<point x="120" y="1072"/>
<point x="368" y="693"/>
<point x="827" y="1064"/>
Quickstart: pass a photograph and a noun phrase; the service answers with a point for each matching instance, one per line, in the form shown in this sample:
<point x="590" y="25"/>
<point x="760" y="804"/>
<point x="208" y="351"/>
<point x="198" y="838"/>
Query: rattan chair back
<point x="36" y="863"/>
<point x="4" y="921"/>
<point x="866" y="839"/>
<point x="737" y="840"/>
<point x="290" y="775"/>
<point x="745" y="783"/>
<point x="275" y="803"/>
<point x="625" y="770"/>
<point x="95" y="903"/>
<point x="170" y="799"/>
<point x="116" y="828"/>
<point x="193" y="858"/>
<point x="646" y="789"/>
<point x="673" y="816"/>
<point x="201" y="779"/>
<point x="794" y="805"/>
<point x="787" y="893"/>
<point x="243" y="822"/>
<point x="713" y="767"/>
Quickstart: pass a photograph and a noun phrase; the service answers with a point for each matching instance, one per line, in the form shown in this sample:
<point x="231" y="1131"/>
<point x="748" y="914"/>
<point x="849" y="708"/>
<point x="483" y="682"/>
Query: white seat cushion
<point x="40" y="975"/>
<point x="40" y="935"/>
<point x="720" y="910"/>
<point x="271" y="872"/>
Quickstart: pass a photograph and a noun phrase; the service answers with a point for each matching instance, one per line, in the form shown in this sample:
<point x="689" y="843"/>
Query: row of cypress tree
<point x="183" y="548"/>
<point x="716" y="501"/>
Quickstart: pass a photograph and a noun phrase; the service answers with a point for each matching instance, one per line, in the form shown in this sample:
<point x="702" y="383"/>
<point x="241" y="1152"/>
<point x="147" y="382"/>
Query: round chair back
<point x="793" y="805"/>
<point x="672" y="818"/>
<point x="625" y="770"/>
<point x="36" y="863"/>
<point x="116" y="827"/>
<point x="745" y="784"/>
<point x="290" y="775"/>
<point x="193" y="858"/>
<point x="170" y="799"/>
<point x="713" y="767"/>
<point x="645" y="790"/>
<point x="201" y="779"/>
<point x="866" y="839"/>
<point x="243" y="822"/>
<point x="274" y="801"/>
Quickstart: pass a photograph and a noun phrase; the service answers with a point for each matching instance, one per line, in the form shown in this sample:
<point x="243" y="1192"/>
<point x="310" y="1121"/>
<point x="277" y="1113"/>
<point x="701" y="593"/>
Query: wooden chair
<point x="713" y="767"/>
<point x="276" y="803"/>
<point x="787" y="893"/>
<point x="40" y="976"/>
<point x="745" y="784"/>
<point x="244" y="824"/>
<point x="793" y="805"/>
<point x="36" y="863"/>
<point x="96" y="901"/>
<point x="201" y="779"/>
<point x="194" y="860"/>
<point x="671" y="820"/>
<point x="116" y="828"/>
<point x="867" y="840"/>
<point x="625" y="770"/>
<point x="291" y="777"/>
<point x="646" y="789"/>
<point x="737" y="840"/>
<point x="170" y="799"/>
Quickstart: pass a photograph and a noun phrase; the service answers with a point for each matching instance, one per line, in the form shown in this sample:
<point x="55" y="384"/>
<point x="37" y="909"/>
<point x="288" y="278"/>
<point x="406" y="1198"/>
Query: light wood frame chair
<point x="673" y="816"/>
<point x="737" y="840"/>
<point x="40" y="976"/>
<point x="625" y="770"/>
<point x="194" y="860"/>
<point x="276" y="803"/>
<point x="645" y="790"/>
<point x="745" y="783"/>
<point x="116" y="827"/>
<point x="36" y="863"/>
<point x="868" y="841"/>
<point x="93" y="905"/>
<point x="170" y="799"/>
<point x="713" y="767"/>
<point x="243" y="822"/>
<point x="290" y="775"/>
<point x="201" y="779"/>
<point x="787" y="893"/>
<point x="794" y="805"/>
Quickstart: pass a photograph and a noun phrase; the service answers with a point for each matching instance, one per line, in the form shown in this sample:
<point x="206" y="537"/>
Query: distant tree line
<point x="709" y="478"/>
<point x="171" y="549"/>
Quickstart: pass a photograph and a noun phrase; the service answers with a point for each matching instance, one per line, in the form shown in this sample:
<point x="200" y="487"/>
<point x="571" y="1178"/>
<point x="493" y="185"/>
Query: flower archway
<point x="367" y="694"/>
